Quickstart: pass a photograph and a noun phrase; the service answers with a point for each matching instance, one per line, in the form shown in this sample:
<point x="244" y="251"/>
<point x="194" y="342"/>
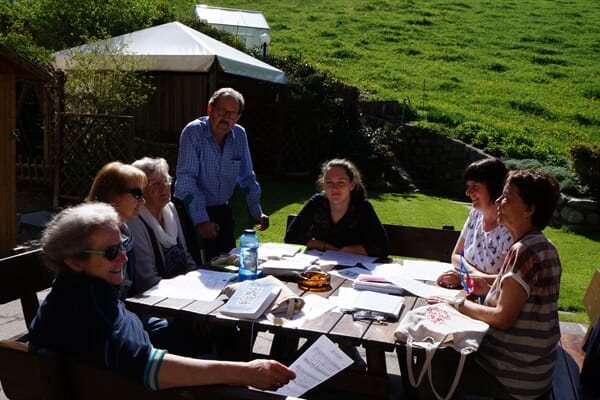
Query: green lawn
<point x="528" y="67"/>
<point x="579" y="254"/>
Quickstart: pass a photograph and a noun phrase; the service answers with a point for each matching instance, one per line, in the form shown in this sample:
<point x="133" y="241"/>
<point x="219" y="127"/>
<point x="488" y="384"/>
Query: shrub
<point x="586" y="163"/>
<point x="565" y="177"/>
<point x="103" y="82"/>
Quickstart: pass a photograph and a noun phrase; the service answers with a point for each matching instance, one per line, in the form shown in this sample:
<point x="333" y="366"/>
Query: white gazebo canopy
<point x="177" y="47"/>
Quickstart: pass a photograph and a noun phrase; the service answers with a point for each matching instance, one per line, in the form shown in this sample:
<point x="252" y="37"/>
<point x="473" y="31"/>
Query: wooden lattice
<point x="87" y="143"/>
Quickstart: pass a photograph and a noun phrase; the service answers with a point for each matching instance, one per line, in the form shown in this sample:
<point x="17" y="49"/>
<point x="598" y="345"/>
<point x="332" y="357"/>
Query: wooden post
<point x="8" y="183"/>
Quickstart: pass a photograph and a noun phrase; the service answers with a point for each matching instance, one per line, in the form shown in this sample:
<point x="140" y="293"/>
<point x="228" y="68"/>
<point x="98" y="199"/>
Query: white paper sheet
<point x="343" y="258"/>
<point x="413" y="269"/>
<point x="277" y="250"/>
<point x="422" y="289"/>
<point x="199" y="284"/>
<point x="314" y="306"/>
<point x="271" y="250"/>
<point x="320" y="362"/>
<point x="351" y="273"/>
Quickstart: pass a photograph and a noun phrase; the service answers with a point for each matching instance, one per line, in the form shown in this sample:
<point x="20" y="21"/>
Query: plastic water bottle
<point x="248" y="255"/>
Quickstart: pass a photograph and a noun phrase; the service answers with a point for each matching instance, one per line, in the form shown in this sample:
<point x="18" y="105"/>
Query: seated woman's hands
<point x="450" y="280"/>
<point x="480" y="286"/>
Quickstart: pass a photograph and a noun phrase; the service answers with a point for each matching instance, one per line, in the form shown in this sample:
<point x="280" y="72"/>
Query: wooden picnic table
<point x="377" y="339"/>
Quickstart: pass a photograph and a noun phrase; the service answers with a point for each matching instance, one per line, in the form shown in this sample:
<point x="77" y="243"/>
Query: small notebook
<point x="250" y="300"/>
<point x="387" y="304"/>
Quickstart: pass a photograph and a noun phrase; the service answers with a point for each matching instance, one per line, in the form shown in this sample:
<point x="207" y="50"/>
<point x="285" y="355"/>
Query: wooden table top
<point x="376" y="338"/>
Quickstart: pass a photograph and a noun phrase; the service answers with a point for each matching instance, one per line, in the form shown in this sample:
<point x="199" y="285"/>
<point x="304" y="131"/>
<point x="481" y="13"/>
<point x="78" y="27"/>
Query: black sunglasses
<point x="137" y="193"/>
<point x="366" y="315"/>
<point x="109" y="253"/>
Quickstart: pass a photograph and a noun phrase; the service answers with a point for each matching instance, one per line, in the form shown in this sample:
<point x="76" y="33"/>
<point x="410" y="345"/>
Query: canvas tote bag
<point x="437" y="326"/>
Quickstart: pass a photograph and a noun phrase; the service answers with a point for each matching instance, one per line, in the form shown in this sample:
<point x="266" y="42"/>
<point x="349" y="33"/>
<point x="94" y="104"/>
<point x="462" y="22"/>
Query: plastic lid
<point x="251" y="231"/>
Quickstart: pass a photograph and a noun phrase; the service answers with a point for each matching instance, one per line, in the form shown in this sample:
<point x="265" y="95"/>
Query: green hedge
<point x="586" y="163"/>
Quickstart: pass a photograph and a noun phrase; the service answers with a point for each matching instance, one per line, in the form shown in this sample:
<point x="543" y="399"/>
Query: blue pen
<point x="468" y="282"/>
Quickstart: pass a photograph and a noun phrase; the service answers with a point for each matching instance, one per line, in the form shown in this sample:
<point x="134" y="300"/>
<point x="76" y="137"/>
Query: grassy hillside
<point x="527" y="66"/>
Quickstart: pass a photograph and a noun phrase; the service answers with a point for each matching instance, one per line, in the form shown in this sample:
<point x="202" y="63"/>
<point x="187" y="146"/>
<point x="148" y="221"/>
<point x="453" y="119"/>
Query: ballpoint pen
<point x="465" y="278"/>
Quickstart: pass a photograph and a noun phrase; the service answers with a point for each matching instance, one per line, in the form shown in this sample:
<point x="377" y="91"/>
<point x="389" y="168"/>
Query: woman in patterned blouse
<point x="483" y="242"/>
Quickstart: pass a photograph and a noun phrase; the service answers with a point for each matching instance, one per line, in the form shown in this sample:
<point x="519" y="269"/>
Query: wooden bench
<point x="417" y="242"/>
<point x="23" y="275"/>
<point x="27" y="376"/>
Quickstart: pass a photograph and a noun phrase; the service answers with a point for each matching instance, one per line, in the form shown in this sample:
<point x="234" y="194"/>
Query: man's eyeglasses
<point x="110" y="253"/>
<point x="162" y="182"/>
<point x="137" y="193"/>
<point x="226" y="114"/>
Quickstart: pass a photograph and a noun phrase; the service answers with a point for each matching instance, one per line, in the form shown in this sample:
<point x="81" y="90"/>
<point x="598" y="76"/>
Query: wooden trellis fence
<point x="32" y="172"/>
<point x="87" y="142"/>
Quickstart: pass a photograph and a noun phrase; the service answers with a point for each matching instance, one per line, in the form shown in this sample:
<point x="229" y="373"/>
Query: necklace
<point x="525" y="234"/>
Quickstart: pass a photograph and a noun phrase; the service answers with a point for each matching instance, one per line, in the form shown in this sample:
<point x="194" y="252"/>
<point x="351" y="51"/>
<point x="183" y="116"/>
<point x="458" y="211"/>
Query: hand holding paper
<point x="320" y="362"/>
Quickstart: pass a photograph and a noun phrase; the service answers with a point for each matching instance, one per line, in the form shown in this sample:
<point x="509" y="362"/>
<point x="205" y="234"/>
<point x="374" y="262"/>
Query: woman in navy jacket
<point x="83" y="317"/>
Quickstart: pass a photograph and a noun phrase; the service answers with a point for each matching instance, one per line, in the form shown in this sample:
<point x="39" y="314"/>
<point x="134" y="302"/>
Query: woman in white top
<point x="483" y="242"/>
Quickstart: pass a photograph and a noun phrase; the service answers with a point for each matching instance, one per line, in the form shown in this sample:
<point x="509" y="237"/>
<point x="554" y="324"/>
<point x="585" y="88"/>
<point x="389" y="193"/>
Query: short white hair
<point x="152" y="166"/>
<point x="67" y="234"/>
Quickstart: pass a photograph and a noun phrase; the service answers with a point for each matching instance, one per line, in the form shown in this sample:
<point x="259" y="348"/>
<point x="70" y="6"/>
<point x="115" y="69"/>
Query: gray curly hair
<point x="67" y="234"/>
<point x="152" y="166"/>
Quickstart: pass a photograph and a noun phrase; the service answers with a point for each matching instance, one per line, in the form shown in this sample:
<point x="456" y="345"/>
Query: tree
<point x="57" y="24"/>
<point x="101" y="80"/>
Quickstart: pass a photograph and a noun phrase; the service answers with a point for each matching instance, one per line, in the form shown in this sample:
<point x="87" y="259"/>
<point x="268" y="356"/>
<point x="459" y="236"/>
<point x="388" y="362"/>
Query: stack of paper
<point x="277" y="250"/>
<point x="380" y="287"/>
<point x="285" y="266"/>
<point x="386" y="304"/>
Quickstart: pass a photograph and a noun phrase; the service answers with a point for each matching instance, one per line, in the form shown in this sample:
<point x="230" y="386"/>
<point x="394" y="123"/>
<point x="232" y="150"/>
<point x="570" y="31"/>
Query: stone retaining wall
<point x="435" y="162"/>
<point x="579" y="215"/>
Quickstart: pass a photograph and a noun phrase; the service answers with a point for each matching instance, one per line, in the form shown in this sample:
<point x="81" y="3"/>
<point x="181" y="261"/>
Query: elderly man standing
<point x="213" y="158"/>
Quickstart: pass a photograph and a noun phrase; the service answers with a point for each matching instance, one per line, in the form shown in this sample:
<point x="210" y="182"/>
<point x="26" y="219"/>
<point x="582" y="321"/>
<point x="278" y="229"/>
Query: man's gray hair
<point x="67" y="234"/>
<point x="228" y="92"/>
<point x="152" y="166"/>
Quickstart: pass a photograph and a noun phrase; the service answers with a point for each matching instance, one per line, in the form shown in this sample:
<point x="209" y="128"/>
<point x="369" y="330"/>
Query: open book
<point x="250" y="300"/>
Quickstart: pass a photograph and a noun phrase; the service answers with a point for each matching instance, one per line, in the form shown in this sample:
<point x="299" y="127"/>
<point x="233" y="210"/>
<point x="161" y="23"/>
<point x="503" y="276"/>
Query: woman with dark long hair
<point x="340" y="217"/>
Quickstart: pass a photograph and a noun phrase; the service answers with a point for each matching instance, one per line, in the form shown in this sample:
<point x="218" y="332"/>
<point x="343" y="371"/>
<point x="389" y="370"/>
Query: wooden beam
<point x="8" y="182"/>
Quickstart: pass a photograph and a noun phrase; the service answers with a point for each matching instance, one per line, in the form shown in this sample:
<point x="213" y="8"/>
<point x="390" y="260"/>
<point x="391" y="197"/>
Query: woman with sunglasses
<point x="83" y="317"/>
<point x="121" y="185"/>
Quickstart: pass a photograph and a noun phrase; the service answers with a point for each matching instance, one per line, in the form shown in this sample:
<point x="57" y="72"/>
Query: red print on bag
<point x="437" y="315"/>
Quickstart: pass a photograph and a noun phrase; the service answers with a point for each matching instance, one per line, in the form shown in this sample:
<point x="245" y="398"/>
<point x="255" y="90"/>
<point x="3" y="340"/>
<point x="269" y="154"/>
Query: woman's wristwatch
<point x="458" y="301"/>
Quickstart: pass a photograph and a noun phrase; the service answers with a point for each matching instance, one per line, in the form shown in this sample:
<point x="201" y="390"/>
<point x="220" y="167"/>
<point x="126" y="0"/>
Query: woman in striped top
<point x="517" y="356"/>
